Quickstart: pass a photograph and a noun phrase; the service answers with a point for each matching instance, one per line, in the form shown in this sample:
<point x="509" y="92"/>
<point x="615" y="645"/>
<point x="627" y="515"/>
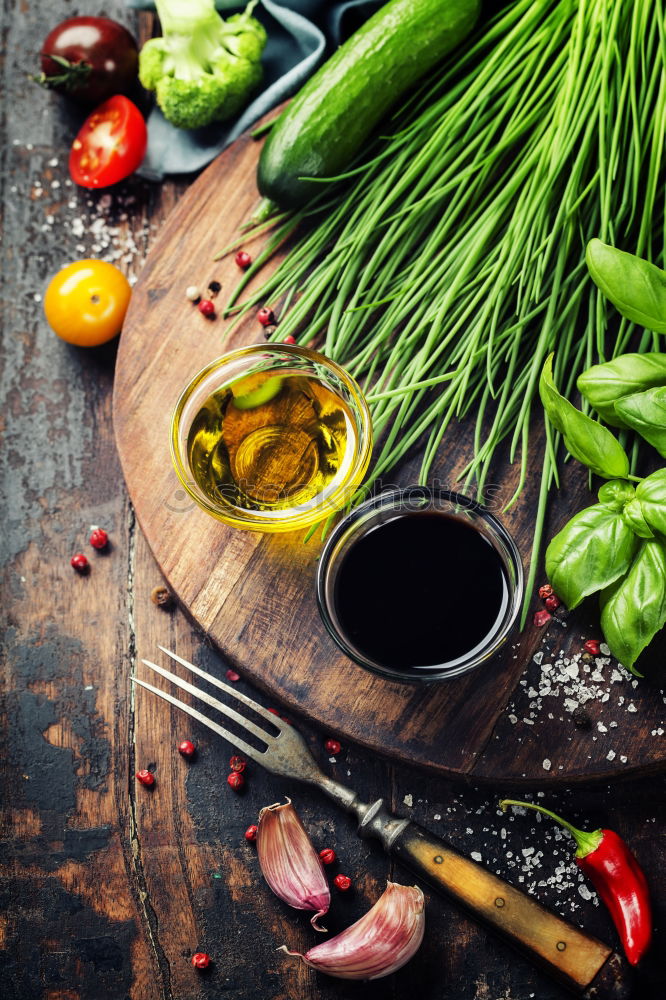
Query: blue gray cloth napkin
<point x="300" y="34"/>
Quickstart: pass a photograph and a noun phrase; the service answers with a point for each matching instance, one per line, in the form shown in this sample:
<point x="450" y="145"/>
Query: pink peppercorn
<point x="266" y="316"/>
<point x="235" y="780"/>
<point x="206" y="308"/>
<point x="200" y="960"/>
<point x="99" y="538"/>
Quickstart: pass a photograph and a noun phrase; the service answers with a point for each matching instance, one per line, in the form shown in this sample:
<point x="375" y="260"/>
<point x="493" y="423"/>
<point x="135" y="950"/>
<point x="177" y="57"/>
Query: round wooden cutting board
<point x="254" y="594"/>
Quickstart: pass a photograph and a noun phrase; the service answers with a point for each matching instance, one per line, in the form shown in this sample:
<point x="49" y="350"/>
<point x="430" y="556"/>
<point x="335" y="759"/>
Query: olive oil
<point x="270" y="442"/>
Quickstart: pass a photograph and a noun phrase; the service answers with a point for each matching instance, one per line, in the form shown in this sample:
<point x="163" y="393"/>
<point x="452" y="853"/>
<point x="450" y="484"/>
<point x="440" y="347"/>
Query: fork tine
<point x="255" y="706"/>
<point x="235" y="741"/>
<point x="213" y="702"/>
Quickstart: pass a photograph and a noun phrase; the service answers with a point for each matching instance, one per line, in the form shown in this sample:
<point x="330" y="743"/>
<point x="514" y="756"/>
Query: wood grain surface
<point x="254" y="594"/>
<point x="106" y="889"/>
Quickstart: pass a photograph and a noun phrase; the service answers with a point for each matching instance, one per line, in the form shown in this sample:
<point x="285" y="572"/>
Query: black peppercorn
<point x="581" y="718"/>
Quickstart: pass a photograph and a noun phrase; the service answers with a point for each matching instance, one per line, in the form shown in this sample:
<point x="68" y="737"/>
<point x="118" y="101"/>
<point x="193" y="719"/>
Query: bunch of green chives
<point x="448" y="263"/>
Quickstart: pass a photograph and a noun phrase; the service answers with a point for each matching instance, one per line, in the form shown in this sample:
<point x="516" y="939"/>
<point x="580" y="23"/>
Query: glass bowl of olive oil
<point x="272" y="437"/>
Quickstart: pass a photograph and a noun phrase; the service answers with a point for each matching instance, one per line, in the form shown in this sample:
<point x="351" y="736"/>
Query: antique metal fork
<point x="581" y="962"/>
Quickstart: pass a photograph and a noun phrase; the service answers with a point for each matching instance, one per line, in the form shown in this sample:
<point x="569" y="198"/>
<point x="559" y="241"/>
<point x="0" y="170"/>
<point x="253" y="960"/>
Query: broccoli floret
<point x="204" y="68"/>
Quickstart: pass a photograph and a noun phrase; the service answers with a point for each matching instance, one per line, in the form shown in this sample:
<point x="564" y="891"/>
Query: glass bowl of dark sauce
<point x="420" y="584"/>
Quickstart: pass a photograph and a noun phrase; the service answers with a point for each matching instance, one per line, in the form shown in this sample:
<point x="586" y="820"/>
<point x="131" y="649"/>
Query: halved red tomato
<point x="110" y="145"/>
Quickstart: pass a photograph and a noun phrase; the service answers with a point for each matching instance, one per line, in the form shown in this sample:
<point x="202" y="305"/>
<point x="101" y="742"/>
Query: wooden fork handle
<point x="581" y="962"/>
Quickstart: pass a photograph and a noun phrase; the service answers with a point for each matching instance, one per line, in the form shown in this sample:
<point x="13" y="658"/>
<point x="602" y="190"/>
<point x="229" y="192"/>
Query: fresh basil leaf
<point x="636" y="287"/>
<point x="645" y="412"/>
<point x="590" y="552"/>
<point x="632" y="514"/>
<point x="603" y="385"/>
<point x="585" y="439"/>
<point x="652" y="495"/>
<point x="615" y="494"/>
<point x="633" y="609"/>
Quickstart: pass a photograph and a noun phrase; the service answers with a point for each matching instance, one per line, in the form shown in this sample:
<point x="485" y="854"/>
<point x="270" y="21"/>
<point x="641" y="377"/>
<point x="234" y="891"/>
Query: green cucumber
<point x="326" y="124"/>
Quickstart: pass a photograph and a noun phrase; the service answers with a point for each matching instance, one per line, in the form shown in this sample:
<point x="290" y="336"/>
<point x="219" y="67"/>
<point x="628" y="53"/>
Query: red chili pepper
<point x="616" y="875"/>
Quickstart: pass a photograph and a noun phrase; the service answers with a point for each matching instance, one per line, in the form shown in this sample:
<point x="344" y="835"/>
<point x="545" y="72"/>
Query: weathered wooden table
<point x="107" y="888"/>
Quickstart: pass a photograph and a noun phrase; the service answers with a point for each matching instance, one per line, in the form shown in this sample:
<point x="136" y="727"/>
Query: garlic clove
<point x="289" y="862"/>
<point x="379" y="943"/>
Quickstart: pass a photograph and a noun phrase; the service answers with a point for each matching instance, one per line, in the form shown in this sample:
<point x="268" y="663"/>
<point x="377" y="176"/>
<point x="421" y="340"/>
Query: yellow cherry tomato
<point x="86" y="302"/>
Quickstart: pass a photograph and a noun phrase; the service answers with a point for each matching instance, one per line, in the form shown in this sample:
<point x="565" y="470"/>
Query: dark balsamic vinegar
<point x="420" y="590"/>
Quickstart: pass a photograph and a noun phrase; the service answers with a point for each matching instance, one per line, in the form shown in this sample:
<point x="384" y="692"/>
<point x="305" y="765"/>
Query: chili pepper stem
<point x="586" y="840"/>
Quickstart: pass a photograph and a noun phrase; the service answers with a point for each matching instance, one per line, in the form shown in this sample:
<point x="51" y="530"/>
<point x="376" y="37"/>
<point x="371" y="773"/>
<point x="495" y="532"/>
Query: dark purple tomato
<point x="89" y="59"/>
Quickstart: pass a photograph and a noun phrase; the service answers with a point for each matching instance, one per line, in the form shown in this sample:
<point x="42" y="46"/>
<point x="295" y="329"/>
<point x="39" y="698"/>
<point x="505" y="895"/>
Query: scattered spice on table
<point x="206" y="308"/>
<point x="162" y="597"/>
<point x="201" y="960"/>
<point x="266" y="317"/>
<point x="187" y="749"/>
<point x="99" y="538"/>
